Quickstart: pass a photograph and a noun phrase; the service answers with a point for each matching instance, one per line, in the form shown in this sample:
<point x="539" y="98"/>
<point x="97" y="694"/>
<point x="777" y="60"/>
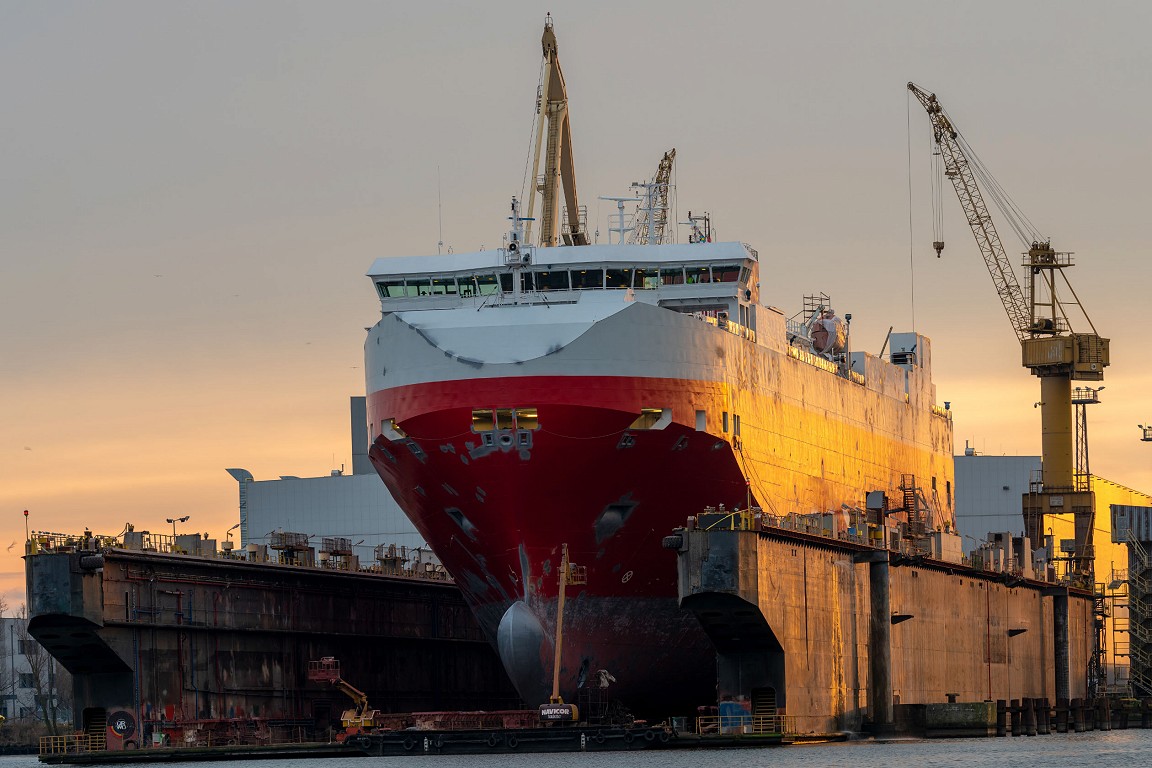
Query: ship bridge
<point x="687" y="277"/>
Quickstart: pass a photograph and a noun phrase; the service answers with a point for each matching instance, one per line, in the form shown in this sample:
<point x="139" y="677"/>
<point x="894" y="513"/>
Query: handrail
<point x="761" y="725"/>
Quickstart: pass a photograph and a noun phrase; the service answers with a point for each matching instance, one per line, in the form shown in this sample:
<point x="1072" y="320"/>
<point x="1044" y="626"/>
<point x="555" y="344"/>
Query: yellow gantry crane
<point x="555" y="144"/>
<point x="1039" y="315"/>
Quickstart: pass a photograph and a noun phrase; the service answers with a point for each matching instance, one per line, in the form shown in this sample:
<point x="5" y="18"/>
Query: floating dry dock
<point x="843" y="636"/>
<point x="201" y="650"/>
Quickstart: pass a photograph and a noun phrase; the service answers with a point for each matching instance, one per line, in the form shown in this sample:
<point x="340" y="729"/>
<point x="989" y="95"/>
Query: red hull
<point x="497" y="517"/>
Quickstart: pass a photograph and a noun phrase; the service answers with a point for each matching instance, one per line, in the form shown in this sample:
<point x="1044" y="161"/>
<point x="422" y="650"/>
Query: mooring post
<point x="1061" y="715"/>
<point x="1030" y="728"/>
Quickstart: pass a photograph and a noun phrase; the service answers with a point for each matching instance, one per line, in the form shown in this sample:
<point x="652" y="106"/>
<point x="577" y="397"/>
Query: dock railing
<point x="72" y="743"/>
<point x="758" y="725"/>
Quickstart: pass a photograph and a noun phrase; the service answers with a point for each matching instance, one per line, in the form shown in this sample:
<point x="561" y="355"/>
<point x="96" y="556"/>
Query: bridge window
<point x="417" y="286"/>
<point x="552" y="281"/>
<point x="442" y="286"/>
<point x="619" y="278"/>
<point x="646" y="278"/>
<point x="486" y="285"/>
<point x="698" y="274"/>
<point x="506" y="281"/>
<point x="391" y="289"/>
<point x="588" y="278"/>
<point x="672" y="276"/>
<point x="725" y="273"/>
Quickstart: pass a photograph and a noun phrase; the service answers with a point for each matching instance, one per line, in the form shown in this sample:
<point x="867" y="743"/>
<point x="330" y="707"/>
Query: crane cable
<point x="911" y="238"/>
<point x="537" y="114"/>
<point x="1025" y="230"/>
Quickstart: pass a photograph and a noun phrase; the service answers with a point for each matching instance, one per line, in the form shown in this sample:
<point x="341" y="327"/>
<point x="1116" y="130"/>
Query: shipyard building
<point x="988" y="498"/>
<point x="354" y="506"/>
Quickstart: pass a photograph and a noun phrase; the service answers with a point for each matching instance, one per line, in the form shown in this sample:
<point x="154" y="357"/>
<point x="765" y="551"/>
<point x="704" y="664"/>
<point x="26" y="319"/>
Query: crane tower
<point x="1039" y="315"/>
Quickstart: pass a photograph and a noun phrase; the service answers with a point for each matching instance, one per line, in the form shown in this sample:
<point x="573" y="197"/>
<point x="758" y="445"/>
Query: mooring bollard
<point x="1029" y="717"/>
<point x="1105" y="714"/>
<point x="1017" y="721"/>
<point x="1061" y="715"/>
<point x="1077" y="707"/>
<point x="1001" y="717"/>
<point x="1045" y="716"/>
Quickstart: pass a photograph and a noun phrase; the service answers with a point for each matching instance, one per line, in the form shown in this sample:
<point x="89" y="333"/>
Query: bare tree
<point x="49" y="679"/>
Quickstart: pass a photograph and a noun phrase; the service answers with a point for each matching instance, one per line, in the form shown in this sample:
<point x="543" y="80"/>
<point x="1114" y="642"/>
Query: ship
<point x="553" y="393"/>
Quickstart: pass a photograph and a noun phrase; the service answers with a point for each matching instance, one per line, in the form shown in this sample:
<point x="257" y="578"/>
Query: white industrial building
<point x="354" y="506"/>
<point x="989" y="491"/>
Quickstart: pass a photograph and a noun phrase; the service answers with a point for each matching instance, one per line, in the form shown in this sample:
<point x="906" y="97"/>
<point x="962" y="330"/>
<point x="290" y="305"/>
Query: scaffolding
<point x="1139" y="617"/>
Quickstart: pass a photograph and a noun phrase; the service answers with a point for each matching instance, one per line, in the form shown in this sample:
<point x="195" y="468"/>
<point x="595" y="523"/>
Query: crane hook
<point x="939" y="246"/>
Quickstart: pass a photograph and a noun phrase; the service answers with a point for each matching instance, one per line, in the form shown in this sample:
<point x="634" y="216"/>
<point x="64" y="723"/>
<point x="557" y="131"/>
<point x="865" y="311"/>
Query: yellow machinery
<point x="559" y="166"/>
<point x="359" y="717"/>
<point x="570" y="575"/>
<point x="1050" y="348"/>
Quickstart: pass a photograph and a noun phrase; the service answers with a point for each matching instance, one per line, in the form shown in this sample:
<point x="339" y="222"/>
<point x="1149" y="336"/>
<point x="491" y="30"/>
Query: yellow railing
<point x="73" y="742"/>
<point x="760" y="725"/>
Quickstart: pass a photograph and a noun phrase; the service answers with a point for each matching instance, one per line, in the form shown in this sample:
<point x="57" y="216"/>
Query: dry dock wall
<point x="806" y="626"/>
<point x="181" y="638"/>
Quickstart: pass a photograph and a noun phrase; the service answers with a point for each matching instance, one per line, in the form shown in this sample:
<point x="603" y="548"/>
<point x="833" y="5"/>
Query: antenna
<point x="620" y="215"/>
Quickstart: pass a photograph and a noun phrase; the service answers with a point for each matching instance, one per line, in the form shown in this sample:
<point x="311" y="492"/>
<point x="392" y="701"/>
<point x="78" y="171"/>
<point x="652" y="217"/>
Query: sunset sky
<point x="190" y="194"/>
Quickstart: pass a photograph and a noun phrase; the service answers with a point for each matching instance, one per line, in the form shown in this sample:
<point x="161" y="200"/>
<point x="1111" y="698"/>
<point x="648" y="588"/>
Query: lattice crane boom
<point x="958" y="170"/>
<point x="652" y="216"/>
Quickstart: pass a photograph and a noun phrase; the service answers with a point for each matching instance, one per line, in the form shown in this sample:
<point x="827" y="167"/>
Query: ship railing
<point x="72" y="743"/>
<point x="727" y="325"/>
<point x="760" y="725"/>
<point x="736" y="520"/>
<point x="43" y="543"/>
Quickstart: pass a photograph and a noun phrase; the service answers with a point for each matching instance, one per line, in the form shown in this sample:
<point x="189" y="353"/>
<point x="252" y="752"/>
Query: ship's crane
<point x="556" y="145"/>
<point x="652" y="215"/>
<point x="1039" y="315"/>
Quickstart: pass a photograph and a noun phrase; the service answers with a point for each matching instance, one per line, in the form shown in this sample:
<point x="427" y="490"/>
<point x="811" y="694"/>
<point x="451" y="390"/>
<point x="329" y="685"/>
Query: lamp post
<point x="175" y="520"/>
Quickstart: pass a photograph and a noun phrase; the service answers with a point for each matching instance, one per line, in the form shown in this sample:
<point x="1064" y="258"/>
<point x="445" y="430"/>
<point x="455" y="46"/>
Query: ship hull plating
<point x="741" y="419"/>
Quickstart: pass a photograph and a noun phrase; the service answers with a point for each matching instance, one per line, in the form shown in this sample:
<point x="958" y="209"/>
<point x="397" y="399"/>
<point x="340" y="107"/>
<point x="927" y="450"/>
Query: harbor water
<point x="1101" y="749"/>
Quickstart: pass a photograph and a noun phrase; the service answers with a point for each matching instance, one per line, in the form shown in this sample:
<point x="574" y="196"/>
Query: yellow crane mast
<point x="556" y="145"/>
<point x="1050" y="348"/>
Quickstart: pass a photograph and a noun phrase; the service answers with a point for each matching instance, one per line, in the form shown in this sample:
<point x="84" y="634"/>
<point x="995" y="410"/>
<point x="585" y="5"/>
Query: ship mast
<point x="556" y="146"/>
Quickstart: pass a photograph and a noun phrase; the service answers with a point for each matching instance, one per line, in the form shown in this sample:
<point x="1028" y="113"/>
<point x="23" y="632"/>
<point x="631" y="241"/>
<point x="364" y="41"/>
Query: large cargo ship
<point x="525" y="398"/>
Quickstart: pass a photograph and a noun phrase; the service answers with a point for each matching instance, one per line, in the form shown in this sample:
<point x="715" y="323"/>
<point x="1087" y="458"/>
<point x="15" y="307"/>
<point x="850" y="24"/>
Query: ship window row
<point x="495" y="419"/>
<point x="642" y="278"/>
